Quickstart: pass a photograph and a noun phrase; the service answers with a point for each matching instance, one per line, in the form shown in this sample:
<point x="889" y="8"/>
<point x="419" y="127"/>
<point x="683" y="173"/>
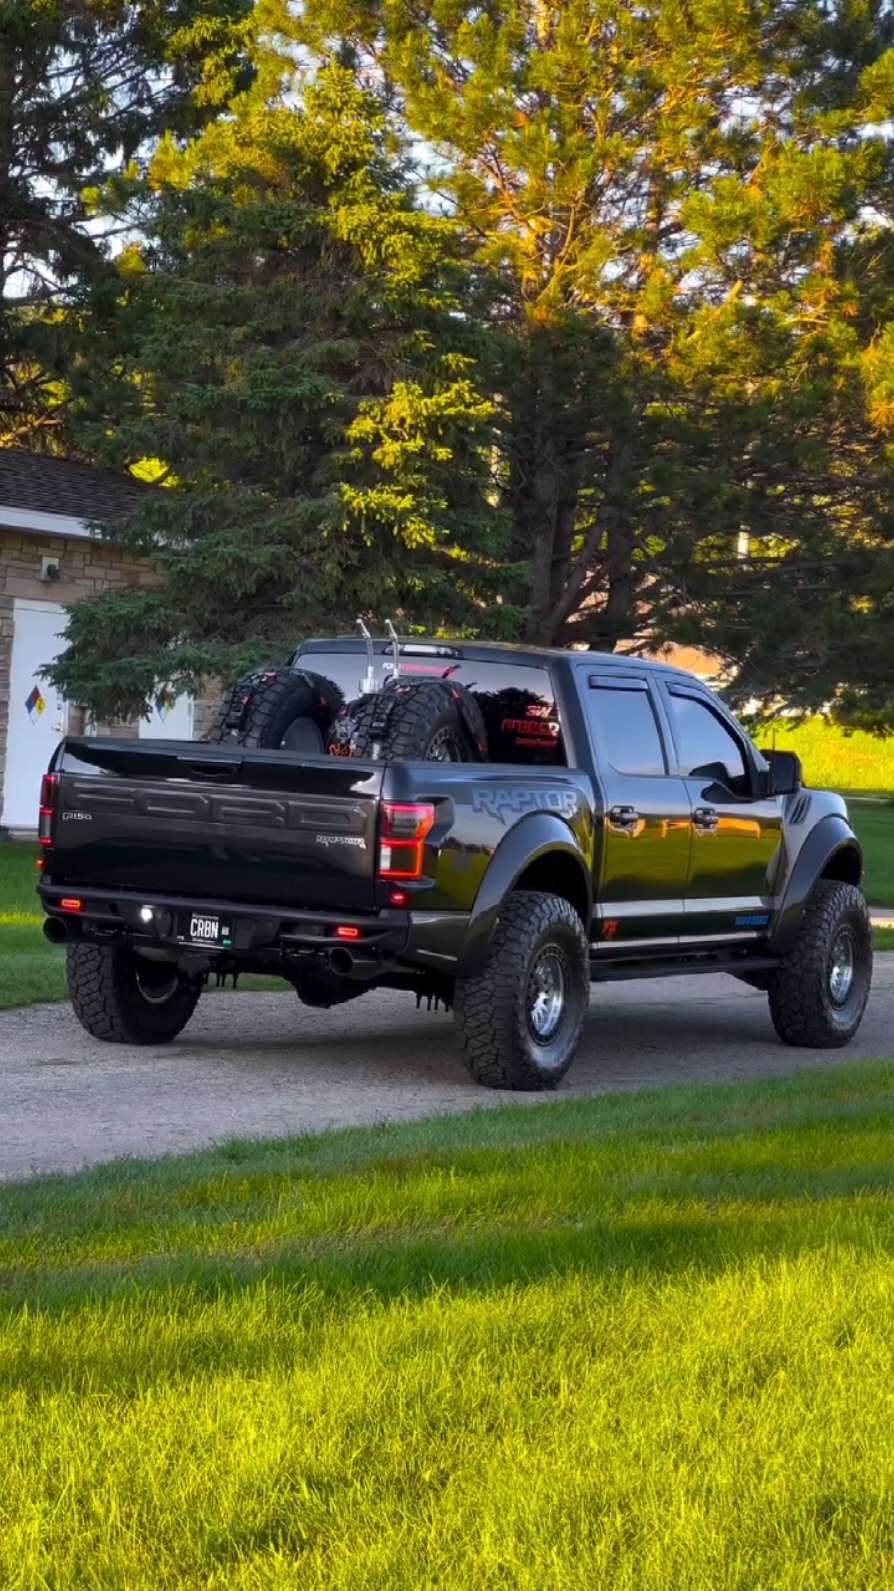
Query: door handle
<point x="623" y="818"/>
<point x="705" y="819"/>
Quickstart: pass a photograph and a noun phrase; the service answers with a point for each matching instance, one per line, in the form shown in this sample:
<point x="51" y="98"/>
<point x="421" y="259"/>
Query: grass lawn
<point x="832" y="759"/>
<point x="18" y="882"/>
<point x="873" y="823"/>
<point x="639" y="1343"/>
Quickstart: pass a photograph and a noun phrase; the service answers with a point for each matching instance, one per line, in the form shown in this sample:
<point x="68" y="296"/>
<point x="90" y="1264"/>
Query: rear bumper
<point x="157" y="924"/>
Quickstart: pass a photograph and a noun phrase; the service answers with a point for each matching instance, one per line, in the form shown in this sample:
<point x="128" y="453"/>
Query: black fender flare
<point x="832" y="834"/>
<point x="533" y="837"/>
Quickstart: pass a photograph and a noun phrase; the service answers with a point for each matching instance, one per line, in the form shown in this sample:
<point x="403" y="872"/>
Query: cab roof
<point x="480" y="651"/>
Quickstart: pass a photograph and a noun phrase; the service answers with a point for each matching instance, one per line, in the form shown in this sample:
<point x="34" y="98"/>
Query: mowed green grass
<point x="861" y="766"/>
<point x="19" y="904"/>
<point x="639" y="1343"/>
<point x="833" y="759"/>
<point x="873" y="823"/>
<point x="30" y="969"/>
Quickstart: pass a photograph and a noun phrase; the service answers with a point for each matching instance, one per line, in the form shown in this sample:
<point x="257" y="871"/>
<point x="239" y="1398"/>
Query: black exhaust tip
<point x="55" y="931"/>
<point x="359" y="968"/>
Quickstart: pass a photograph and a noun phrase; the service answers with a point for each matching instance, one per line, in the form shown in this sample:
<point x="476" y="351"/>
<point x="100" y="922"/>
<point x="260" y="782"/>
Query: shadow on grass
<point x="682" y="1182"/>
<point x="202" y="1316"/>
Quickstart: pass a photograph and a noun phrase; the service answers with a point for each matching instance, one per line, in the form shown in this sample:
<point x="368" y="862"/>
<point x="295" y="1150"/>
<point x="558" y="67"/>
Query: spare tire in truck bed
<point x="429" y="721"/>
<point x="278" y="709"/>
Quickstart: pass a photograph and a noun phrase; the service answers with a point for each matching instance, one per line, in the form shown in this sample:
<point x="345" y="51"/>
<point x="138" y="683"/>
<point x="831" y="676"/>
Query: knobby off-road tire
<point x="433" y="721"/>
<point x="124" y="999"/>
<point x="278" y="709"/>
<point x="818" y="992"/>
<point x="519" y="1020"/>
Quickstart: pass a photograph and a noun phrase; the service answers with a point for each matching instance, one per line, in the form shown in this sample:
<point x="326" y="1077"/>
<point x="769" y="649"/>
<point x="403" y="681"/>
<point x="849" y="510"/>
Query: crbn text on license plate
<point x="206" y="930"/>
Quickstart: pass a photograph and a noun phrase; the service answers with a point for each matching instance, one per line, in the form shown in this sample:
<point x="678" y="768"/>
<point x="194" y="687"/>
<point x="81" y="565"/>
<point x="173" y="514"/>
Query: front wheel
<point x="520" y="1018"/>
<point x="818" y="993"/>
<point x="125" y="999"/>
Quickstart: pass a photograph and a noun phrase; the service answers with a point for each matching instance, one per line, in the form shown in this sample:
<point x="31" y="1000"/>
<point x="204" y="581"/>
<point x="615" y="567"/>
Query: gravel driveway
<point x="259" y="1065"/>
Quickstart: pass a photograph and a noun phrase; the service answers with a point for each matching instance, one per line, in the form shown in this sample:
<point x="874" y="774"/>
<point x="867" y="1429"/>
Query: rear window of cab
<point x="516" y="699"/>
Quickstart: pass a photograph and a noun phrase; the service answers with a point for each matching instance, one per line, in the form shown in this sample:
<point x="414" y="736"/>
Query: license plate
<point x="206" y="930"/>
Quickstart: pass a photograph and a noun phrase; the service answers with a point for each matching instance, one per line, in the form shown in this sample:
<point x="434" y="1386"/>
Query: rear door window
<point x="626" y="728"/>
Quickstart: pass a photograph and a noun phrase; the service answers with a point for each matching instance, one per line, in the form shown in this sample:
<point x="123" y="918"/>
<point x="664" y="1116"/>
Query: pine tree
<point x="665" y="195"/>
<point x="86" y="87"/>
<point x="290" y="349"/>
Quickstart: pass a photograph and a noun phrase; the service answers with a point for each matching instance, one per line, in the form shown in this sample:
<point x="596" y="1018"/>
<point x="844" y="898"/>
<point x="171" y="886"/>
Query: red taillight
<point x="345" y="931"/>
<point x="70" y="904"/>
<point x="48" y="786"/>
<point x="402" y="847"/>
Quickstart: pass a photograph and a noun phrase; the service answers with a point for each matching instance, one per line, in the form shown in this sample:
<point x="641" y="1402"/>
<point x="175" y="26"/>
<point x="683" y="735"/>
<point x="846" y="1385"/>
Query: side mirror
<point x="785" y="776"/>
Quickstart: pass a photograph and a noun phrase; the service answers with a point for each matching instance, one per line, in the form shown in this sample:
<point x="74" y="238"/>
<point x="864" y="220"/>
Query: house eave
<point x="36" y="522"/>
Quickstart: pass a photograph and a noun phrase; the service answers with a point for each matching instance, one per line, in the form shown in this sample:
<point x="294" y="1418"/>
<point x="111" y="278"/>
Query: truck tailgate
<point x="217" y="822"/>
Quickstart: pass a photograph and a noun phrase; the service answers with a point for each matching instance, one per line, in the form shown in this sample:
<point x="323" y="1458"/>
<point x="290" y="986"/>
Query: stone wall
<point x="86" y="568"/>
<point x="206" y="709"/>
<point x="6" y="629"/>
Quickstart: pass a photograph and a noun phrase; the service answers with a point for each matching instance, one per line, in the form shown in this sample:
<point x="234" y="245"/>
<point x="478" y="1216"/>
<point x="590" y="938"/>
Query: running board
<point x="604" y="971"/>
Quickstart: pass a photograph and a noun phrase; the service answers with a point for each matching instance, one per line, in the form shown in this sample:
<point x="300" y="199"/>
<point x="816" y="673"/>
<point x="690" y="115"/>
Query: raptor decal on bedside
<point x="502" y="803"/>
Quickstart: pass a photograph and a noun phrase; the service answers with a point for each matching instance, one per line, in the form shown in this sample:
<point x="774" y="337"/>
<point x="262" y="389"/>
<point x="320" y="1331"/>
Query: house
<point x="49" y="558"/>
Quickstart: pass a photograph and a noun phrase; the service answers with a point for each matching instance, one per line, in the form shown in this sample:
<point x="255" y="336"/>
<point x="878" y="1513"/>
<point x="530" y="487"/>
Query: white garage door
<point x="36" y="711"/>
<point x="38" y="714"/>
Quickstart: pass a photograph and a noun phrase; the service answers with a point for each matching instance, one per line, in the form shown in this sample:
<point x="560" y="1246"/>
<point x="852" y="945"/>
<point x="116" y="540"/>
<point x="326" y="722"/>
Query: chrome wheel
<point x="842" y="966"/>
<point x="546" y="994"/>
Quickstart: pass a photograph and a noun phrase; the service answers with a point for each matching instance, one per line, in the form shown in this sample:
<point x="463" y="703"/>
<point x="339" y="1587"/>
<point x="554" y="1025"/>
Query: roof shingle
<point x="43" y="484"/>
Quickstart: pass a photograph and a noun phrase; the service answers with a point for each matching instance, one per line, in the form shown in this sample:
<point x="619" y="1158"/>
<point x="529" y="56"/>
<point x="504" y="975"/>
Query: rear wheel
<point x="278" y="709"/>
<point x="520" y="1018"/>
<point x="125" y="999"/>
<point x="818" y="993"/>
<point x="435" y="721"/>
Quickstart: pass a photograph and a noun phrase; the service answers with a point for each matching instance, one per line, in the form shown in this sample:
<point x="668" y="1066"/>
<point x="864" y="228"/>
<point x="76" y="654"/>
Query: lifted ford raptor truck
<point x="489" y="826"/>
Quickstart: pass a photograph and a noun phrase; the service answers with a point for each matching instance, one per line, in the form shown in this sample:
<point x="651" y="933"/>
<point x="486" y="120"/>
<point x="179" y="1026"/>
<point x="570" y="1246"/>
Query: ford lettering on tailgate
<point x="226" y="808"/>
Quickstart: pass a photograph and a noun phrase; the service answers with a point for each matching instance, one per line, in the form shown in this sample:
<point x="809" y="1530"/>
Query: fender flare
<point x="533" y="837"/>
<point x="832" y="835"/>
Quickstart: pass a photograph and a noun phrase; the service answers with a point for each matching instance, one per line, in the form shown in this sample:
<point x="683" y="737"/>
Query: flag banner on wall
<point x="35" y="704"/>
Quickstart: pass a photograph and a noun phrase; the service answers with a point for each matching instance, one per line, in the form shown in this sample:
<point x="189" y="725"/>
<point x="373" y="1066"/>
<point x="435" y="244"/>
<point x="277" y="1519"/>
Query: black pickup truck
<point x="571" y="818"/>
